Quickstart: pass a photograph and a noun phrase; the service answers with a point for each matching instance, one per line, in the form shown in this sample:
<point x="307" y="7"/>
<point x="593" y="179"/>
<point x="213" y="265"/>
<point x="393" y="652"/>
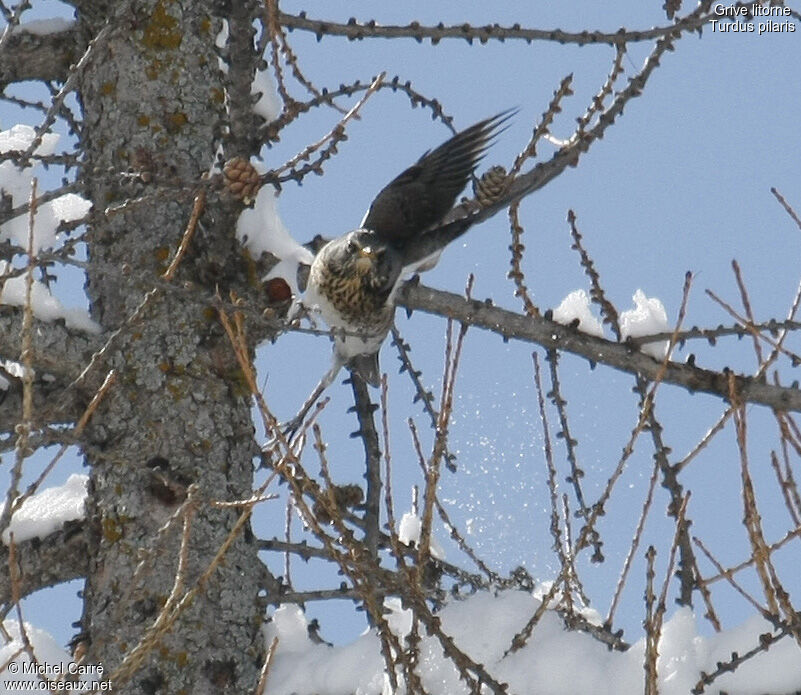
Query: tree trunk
<point x="154" y="104"/>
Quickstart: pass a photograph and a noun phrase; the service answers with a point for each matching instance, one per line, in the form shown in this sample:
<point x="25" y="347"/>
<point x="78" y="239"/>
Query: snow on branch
<point x="551" y="334"/>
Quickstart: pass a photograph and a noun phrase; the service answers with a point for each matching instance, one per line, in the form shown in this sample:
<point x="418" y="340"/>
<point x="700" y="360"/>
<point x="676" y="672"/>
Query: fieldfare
<point x="354" y="278"/>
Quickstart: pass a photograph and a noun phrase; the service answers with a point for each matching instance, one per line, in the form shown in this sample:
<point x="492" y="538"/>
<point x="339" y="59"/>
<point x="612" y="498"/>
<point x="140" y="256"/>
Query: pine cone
<point x="241" y="179"/>
<point x="491" y="185"/>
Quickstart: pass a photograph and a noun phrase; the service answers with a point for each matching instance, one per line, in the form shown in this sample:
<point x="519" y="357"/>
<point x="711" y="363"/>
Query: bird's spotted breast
<point x="356" y="306"/>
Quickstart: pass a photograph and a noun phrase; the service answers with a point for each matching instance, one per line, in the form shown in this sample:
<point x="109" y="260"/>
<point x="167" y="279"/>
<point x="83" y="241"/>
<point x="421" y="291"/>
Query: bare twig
<point x="422" y="394"/>
<point x="265" y="669"/>
<point x="76" y="433"/>
<point x="635" y="544"/>
<point x="331" y="139"/>
<point x="775" y="344"/>
<point x="576" y="472"/>
<point x="543" y="127"/>
<point x="766" y="641"/>
<point x="354" y="30"/>
<point x="516" y="273"/>
<point x="787" y="207"/>
<point x="597" y="294"/>
<point x="556" y="531"/>
<point x="597" y="105"/>
<point x="651" y="633"/>
<point x="738" y="276"/>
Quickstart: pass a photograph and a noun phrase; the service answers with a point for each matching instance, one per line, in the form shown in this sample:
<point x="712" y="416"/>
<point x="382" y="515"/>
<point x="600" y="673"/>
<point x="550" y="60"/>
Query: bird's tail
<point x="366" y="366"/>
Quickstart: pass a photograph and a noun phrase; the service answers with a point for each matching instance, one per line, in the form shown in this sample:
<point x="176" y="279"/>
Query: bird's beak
<point x="365" y="259"/>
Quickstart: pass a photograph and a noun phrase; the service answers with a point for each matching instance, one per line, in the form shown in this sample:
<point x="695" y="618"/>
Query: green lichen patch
<point x="163" y="31"/>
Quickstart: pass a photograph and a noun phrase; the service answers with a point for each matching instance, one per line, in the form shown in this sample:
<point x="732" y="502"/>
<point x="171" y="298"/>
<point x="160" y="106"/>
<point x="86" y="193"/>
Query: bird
<point x="354" y="278"/>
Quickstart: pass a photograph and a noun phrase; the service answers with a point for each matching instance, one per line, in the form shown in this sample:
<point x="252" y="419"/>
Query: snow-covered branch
<point x="60" y="557"/>
<point x="552" y="335"/>
<point x="49" y="535"/>
<point x="33" y="54"/>
<point x="59" y="355"/>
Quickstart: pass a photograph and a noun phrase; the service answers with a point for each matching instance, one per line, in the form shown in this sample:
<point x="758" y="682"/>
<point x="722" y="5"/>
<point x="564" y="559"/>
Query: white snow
<point x="11" y="368"/>
<point x="409" y="530"/>
<point x="219" y="41"/>
<point x="16" y="183"/>
<point x="46" y="307"/>
<point x="70" y="207"/>
<point x="268" y="106"/>
<point x="554" y="660"/>
<point x="267" y="103"/>
<point x="261" y="230"/>
<point x="646" y="318"/>
<point x="19" y="137"/>
<point x="577" y="306"/>
<point x="51" y="25"/>
<point x="54" y="670"/>
<point x="48" y="510"/>
<point x="301" y="666"/>
<point x="778" y="670"/>
<point x="45" y="648"/>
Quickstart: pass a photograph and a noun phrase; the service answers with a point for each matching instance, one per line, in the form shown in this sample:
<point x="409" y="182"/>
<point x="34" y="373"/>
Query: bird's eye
<point x="352" y="246"/>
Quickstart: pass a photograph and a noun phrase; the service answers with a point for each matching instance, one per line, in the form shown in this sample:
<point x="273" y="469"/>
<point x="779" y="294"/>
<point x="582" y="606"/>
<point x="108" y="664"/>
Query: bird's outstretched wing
<point x="421" y="196"/>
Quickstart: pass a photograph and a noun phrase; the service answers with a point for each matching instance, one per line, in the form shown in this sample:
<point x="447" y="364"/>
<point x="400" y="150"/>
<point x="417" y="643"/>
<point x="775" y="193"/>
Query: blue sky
<point x="681" y="182"/>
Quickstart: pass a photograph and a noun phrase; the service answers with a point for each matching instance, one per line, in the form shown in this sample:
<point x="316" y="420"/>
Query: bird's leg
<point x="297" y="312"/>
<point x="289" y="428"/>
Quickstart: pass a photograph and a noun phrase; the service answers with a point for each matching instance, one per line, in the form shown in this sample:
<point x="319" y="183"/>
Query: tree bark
<point x="153" y="99"/>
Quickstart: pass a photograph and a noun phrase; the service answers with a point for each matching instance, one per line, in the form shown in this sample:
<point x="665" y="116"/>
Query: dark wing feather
<point x="423" y="194"/>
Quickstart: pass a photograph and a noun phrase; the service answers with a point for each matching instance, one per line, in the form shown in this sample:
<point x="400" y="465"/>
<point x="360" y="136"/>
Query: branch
<point x="364" y="409"/>
<point x="57" y="350"/>
<point x="46" y="394"/>
<point x="552" y="335"/>
<point x="241" y="60"/>
<point x="465" y="215"/>
<point x="60" y="557"/>
<point x="59" y="355"/>
<point x="354" y="30"/>
<point x="30" y="56"/>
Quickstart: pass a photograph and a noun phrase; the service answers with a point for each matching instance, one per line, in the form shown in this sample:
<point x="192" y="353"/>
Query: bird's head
<point x="360" y="255"/>
<point x="358" y="252"/>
